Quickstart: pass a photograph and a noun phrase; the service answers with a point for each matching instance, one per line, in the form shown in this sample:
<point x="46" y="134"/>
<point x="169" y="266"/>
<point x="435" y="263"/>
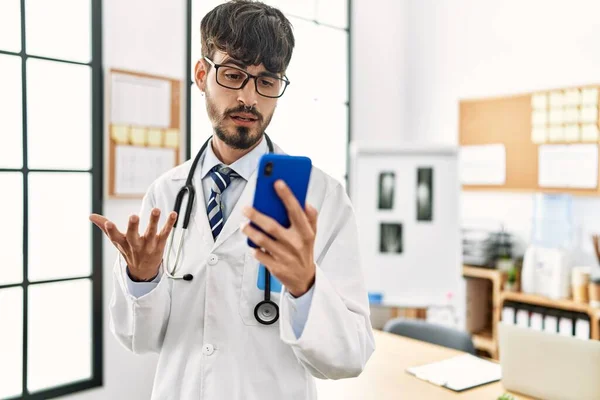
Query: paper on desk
<point x="483" y="164"/>
<point x="459" y="372"/>
<point x="568" y="166"/>
<point x="137" y="167"/>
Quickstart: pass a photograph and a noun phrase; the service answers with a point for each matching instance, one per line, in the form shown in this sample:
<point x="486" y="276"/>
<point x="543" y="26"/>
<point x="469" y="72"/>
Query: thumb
<point x="312" y="215"/>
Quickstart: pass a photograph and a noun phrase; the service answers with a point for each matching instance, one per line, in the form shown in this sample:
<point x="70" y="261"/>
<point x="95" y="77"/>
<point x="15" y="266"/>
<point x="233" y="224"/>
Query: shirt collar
<point x="244" y="167"/>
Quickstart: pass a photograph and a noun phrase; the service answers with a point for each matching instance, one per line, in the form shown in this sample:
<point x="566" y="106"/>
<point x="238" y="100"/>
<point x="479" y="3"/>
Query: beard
<point x="242" y="138"/>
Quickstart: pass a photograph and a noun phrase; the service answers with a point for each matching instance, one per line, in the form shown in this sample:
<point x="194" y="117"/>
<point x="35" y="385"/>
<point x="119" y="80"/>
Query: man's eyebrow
<point x="229" y="60"/>
<point x="239" y="64"/>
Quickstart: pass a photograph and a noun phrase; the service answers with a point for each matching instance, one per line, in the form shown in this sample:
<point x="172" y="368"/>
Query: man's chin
<point x="241" y="138"/>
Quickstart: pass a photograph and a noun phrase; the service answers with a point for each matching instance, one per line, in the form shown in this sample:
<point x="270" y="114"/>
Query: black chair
<point x="431" y="333"/>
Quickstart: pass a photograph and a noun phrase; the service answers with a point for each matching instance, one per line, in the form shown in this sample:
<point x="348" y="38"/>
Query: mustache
<point x="244" y="109"/>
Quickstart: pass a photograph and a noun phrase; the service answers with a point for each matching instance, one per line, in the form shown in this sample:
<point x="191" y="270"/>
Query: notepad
<point x="459" y="373"/>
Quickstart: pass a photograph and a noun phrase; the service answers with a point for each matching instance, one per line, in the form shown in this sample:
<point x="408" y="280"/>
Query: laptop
<point x="549" y="366"/>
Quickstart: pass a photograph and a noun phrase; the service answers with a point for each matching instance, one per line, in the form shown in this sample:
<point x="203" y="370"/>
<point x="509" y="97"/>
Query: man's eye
<point x="267" y="82"/>
<point x="233" y="76"/>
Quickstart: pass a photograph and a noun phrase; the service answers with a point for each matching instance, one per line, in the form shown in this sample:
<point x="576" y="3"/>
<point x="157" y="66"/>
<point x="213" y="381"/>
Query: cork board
<point x="510" y="121"/>
<point x="144" y="130"/>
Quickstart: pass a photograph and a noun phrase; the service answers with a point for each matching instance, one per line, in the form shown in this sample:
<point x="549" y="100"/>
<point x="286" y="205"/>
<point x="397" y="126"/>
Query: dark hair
<point x="250" y="32"/>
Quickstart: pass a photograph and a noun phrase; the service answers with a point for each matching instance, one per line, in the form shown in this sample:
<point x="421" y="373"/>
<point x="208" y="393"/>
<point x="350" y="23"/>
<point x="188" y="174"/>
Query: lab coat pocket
<point x="250" y="294"/>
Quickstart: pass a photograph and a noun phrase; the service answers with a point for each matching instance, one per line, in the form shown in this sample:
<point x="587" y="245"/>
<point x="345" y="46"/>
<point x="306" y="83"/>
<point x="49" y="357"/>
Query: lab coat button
<point x="208" y="349"/>
<point x="213" y="259"/>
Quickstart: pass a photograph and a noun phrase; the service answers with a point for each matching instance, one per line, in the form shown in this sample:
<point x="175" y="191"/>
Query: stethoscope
<point x="266" y="312"/>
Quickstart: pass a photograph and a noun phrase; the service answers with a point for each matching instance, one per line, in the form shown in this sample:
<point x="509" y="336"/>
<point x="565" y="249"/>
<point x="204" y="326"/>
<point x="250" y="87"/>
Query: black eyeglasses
<point x="236" y="78"/>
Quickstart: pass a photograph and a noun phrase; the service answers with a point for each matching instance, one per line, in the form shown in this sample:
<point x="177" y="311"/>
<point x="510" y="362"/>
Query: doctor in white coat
<point x="210" y="344"/>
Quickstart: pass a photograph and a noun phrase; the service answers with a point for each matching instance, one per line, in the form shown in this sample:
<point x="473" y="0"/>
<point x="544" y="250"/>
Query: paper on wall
<point x="572" y="133"/>
<point x="589" y="133"/>
<point x="539" y="101"/>
<point x="138" y="136"/>
<point x="556" y="133"/>
<point x="120" y="134"/>
<point x="539" y="135"/>
<point x="572" y="97"/>
<point x="568" y="166"/>
<point x="589" y="96"/>
<point x="137" y="167"/>
<point x="155" y="137"/>
<point x="172" y="138"/>
<point x="483" y="164"/>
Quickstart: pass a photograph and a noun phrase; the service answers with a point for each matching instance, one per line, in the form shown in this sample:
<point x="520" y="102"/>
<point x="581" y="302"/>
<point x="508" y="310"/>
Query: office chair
<point x="431" y="333"/>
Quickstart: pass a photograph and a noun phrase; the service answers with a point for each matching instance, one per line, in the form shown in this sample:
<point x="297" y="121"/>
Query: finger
<point x="153" y="225"/>
<point x="133" y="233"/>
<point x="166" y="230"/>
<point x="265" y="223"/>
<point x="263" y="241"/>
<point x="312" y="215"/>
<point x="99" y="221"/>
<point x="114" y="234"/>
<point x="268" y="261"/>
<point x="295" y="211"/>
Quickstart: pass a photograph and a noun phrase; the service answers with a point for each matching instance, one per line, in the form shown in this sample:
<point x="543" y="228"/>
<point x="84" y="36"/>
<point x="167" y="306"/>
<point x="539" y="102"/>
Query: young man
<point x="201" y="317"/>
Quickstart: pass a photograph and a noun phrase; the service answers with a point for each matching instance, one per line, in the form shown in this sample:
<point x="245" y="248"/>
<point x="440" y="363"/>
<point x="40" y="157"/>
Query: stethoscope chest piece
<point x="266" y="312"/>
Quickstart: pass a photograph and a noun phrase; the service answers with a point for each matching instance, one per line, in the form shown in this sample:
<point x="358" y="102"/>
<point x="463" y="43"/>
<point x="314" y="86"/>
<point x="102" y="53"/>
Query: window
<point x="312" y="118"/>
<point x="50" y="180"/>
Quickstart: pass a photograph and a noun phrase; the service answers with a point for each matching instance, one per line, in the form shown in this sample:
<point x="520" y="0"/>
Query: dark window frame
<point x="97" y="198"/>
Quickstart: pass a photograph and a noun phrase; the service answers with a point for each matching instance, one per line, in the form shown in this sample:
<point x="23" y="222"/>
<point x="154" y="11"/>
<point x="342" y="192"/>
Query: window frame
<point x="190" y="80"/>
<point x="96" y="172"/>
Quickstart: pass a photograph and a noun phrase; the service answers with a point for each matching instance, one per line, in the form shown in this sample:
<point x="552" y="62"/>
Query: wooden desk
<point x="385" y="376"/>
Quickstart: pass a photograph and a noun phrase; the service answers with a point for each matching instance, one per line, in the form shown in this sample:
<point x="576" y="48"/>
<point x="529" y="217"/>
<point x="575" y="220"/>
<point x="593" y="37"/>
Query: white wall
<point x="146" y="36"/>
<point x="478" y="48"/>
<point x="379" y="69"/>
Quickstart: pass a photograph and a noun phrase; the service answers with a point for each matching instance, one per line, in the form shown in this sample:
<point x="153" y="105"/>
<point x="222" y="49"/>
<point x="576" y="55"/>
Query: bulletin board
<point x="144" y="130"/>
<point x="406" y="202"/>
<point x="530" y="127"/>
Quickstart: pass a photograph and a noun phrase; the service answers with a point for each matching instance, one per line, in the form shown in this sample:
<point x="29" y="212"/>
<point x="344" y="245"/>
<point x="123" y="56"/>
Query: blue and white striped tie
<point x="221" y="176"/>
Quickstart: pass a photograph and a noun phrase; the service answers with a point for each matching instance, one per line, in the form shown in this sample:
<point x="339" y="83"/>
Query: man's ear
<point x="200" y="73"/>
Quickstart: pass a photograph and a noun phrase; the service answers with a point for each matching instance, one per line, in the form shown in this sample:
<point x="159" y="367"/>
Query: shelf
<point x="480" y="272"/>
<point x="484" y="341"/>
<point x="568" y="305"/>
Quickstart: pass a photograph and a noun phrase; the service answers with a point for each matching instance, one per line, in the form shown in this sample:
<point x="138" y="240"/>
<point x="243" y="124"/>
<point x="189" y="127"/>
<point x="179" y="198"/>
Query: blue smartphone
<point x="294" y="171"/>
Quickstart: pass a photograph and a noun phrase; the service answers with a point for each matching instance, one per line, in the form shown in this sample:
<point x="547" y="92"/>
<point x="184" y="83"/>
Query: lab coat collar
<point x="236" y="217"/>
<point x="244" y="167"/>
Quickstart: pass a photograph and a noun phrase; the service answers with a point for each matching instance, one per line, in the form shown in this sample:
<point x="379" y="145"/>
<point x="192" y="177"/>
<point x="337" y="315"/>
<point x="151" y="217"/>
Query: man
<point x="210" y="342"/>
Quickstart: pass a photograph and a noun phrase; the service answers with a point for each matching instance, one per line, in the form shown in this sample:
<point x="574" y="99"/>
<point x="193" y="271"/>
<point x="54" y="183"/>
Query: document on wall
<point x="140" y="101"/>
<point x="568" y="166"/>
<point x="483" y="164"/>
<point x="137" y="167"/>
<point x="459" y="373"/>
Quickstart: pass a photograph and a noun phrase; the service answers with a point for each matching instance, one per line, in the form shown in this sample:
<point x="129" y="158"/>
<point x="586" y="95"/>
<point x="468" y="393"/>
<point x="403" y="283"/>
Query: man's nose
<point x="247" y="95"/>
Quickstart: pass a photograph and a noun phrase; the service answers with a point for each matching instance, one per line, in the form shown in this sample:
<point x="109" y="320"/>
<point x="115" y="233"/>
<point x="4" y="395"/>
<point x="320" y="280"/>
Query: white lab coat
<point x="211" y="347"/>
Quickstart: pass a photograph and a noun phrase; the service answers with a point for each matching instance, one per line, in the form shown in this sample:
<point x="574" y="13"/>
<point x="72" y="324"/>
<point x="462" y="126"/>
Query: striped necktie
<point x="221" y="176"/>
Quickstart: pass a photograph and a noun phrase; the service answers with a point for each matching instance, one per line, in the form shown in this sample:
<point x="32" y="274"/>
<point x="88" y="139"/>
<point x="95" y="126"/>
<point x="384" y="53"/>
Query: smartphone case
<point x="294" y="171"/>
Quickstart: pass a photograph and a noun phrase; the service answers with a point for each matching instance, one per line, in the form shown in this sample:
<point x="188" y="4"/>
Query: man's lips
<point x="244" y="116"/>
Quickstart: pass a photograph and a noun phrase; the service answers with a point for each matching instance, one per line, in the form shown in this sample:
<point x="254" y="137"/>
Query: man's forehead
<point x="224" y="58"/>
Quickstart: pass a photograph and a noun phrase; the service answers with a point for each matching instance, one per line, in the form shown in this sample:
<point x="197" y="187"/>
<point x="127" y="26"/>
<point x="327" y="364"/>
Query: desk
<point x="385" y="376"/>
